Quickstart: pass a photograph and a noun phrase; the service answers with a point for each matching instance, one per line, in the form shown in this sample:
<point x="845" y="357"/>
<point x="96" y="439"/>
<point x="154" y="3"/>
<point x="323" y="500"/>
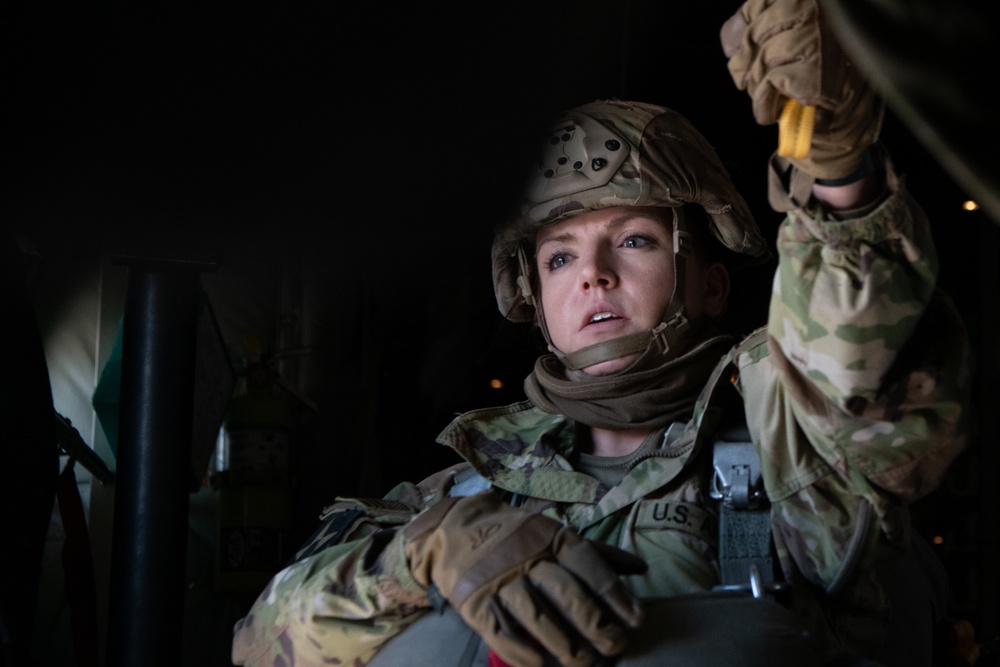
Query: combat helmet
<point x="619" y="153"/>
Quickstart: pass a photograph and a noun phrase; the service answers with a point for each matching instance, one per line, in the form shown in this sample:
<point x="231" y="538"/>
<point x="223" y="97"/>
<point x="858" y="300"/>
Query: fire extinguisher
<point x="252" y="480"/>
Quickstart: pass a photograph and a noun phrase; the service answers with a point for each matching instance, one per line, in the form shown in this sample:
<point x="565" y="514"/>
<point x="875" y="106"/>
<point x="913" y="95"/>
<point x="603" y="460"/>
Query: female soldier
<point x="633" y="442"/>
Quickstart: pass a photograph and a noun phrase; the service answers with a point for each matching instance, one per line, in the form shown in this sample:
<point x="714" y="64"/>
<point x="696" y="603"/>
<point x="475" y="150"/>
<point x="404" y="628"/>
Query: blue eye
<point x="556" y="261"/>
<point x="637" y="241"/>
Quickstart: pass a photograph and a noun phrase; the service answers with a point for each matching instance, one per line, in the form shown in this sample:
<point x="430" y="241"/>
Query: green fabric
<point x="107" y="394"/>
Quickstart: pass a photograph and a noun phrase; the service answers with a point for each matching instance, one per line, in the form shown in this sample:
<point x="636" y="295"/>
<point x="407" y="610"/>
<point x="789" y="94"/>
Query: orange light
<point x="970" y="205"/>
<point x="938" y="539"/>
<point x="496" y="384"/>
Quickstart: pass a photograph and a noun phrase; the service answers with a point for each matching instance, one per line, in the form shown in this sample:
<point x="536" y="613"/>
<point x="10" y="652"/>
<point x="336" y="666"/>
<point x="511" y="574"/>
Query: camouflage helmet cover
<point x="616" y="153"/>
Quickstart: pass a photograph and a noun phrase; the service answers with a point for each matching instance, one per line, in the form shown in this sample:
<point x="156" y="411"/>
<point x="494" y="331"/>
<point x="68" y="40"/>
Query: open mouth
<point x="602" y="317"/>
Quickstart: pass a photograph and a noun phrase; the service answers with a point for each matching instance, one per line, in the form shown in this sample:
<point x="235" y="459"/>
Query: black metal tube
<point x="146" y="604"/>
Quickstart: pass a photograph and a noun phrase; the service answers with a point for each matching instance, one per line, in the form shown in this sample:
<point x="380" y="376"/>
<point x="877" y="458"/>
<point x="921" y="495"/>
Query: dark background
<point x="383" y="140"/>
<point x="377" y="144"/>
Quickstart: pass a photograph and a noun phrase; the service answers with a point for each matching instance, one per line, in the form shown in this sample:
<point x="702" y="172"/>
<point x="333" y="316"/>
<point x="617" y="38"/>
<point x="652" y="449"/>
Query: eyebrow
<point x="615" y="222"/>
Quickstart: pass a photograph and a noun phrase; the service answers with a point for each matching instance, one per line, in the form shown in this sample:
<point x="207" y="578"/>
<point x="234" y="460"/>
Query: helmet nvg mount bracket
<point x="579" y="155"/>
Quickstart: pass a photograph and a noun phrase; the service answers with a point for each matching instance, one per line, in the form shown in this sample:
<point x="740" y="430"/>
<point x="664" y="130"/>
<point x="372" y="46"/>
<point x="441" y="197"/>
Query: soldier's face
<point x="604" y="274"/>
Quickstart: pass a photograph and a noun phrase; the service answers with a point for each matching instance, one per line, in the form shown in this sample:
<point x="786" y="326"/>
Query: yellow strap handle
<point x="795" y="129"/>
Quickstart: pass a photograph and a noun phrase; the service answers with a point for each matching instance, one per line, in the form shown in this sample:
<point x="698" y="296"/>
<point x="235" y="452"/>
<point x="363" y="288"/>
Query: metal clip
<point x="737" y="480"/>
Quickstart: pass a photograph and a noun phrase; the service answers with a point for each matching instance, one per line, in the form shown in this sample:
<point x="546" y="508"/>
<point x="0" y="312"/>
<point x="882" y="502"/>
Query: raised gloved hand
<point x="784" y="49"/>
<point x="523" y="580"/>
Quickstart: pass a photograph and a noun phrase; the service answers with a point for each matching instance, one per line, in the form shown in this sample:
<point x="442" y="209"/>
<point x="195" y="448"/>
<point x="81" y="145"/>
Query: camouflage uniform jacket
<point x="851" y="419"/>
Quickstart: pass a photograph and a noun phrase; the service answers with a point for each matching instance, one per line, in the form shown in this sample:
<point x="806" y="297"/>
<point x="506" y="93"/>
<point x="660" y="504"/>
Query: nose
<point x="598" y="271"/>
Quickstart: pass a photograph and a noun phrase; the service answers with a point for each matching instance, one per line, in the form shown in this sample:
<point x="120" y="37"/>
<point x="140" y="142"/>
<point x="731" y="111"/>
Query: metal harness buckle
<point x="737" y="480"/>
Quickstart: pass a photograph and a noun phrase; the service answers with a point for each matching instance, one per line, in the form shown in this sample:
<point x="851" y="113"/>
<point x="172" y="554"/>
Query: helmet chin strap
<point x="674" y="322"/>
<point x="664" y="336"/>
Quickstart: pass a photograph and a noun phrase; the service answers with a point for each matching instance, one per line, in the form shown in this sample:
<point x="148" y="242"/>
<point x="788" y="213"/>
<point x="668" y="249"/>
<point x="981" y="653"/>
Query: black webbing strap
<point x="746" y="554"/>
<point x="744" y="513"/>
<point x="744" y="543"/>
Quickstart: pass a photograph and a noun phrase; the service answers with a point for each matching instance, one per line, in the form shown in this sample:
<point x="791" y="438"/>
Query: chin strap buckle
<point x="666" y="334"/>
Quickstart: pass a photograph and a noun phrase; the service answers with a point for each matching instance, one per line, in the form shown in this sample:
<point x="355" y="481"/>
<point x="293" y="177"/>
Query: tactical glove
<point x="782" y="50"/>
<point x="523" y="580"/>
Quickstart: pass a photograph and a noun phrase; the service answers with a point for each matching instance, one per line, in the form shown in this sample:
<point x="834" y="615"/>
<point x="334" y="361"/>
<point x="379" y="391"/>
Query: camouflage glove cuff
<point x="523" y="580"/>
<point x="784" y="49"/>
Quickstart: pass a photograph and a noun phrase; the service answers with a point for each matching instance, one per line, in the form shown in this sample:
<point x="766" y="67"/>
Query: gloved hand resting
<point x="522" y="580"/>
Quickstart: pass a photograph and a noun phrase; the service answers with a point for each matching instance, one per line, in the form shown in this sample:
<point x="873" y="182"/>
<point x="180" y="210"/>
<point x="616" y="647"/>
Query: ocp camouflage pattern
<point x="855" y="395"/>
